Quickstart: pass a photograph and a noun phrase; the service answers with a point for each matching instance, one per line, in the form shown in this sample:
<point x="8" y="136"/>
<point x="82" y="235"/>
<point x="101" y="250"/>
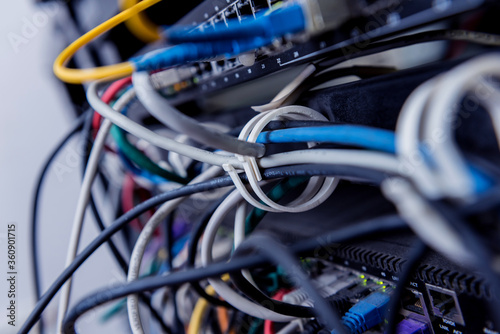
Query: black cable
<point x="34" y="209"/>
<point x="317" y="245"/>
<point x="306" y="170"/>
<point x="87" y="143"/>
<point x="409" y="267"/>
<point x="70" y="5"/>
<point x="194" y="238"/>
<point x="338" y="56"/>
<point x="111" y="230"/>
<point x="255" y="294"/>
<point x="261" y="298"/>
<point x="281" y="256"/>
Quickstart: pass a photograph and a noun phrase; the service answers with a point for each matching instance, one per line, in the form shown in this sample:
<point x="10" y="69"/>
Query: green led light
<point x="362" y="276"/>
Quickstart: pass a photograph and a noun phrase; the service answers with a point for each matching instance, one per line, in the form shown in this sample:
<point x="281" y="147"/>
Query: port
<point x="245" y="9"/>
<point x="260" y="4"/>
<point x="413" y="301"/>
<point x="445" y="304"/>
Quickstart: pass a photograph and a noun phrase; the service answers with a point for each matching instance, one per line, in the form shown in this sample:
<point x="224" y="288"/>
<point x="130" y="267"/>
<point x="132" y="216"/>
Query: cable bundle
<point x="165" y="172"/>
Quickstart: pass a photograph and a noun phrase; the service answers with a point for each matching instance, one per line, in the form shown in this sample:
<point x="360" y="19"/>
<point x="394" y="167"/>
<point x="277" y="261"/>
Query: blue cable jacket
<point x="269" y="25"/>
<point x="369" y="138"/>
<point x="190" y="52"/>
<point x="354" y="135"/>
<point x="231" y="41"/>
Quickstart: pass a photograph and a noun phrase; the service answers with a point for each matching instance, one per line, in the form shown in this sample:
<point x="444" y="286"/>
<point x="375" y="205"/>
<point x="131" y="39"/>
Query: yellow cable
<point x="139" y="25"/>
<point x="200" y="309"/>
<point x="78" y="76"/>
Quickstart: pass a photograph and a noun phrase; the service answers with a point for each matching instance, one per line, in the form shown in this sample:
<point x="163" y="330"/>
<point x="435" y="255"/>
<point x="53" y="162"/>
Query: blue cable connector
<point x="268" y="25"/>
<point x="367" y="313"/>
<point x="190" y="52"/>
<point x="230" y="41"/>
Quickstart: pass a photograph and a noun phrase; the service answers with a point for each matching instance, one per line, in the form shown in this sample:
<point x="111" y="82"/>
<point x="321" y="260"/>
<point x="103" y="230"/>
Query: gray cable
<point x="161" y="109"/>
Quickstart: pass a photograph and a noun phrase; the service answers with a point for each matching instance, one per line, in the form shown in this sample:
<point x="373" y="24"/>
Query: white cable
<point x="163" y="111"/>
<point x="372" y="160"/>
<point x="228" y="294"/>
<point x="443" y="107"/>
<point x="175" y="159"/>
<point x="82" y="203"/>
<point x="329" y="184"/>
<point x="239" y="224"/>
<point x="239" y="235"/>
<point x="425" y="221"/>
<point x="408" y="141"/>
<point x="250" y="132"/>
<point x="291" y="328"/>
<point x="365" y="159"/>
<point x="142" y="242"/>
<point x="139" y="131"/>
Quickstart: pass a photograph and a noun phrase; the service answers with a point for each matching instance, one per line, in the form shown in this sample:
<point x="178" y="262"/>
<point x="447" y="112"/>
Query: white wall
<point x="34" y="115"/>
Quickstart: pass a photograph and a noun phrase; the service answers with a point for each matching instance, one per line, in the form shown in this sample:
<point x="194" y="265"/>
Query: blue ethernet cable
<point x="362" y="136"/>
<point x="367" y="313"/>
<point x="267" y="25"/>
<point x="191" y="52"/>
<point x="229" y="41"/>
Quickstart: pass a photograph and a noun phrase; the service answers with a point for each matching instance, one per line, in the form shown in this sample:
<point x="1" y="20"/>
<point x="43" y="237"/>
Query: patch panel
<point x="382" y="20"/>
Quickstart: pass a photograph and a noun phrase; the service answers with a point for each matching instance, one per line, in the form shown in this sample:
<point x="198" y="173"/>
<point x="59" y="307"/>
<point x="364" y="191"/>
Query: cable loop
<point x="317" y="189"/>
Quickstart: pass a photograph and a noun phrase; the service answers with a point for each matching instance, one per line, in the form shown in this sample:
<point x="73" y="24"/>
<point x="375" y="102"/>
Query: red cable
<point x="108" y="95"/>
<point x="128" y="199"/>
<point x="268" y="324"/>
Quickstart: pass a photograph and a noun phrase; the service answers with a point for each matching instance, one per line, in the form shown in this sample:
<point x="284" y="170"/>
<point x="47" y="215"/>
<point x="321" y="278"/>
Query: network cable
<point x="203" y="189"/>
<point x="231" y="40"/>
<point x="147" y="205"/>
<point x="360" y="230"/>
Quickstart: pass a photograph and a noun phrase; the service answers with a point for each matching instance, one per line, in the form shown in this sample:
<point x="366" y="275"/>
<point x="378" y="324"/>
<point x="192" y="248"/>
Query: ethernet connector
<point x="324" y="15"/>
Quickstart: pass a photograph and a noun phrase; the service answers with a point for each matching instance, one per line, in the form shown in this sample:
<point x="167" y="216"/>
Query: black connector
<point x="339" y="303"/>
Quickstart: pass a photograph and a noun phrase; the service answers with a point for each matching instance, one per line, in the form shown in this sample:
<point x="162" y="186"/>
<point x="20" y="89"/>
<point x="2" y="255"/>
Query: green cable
<point x="255" y="326"/>
<point x="277" y="193"/>
<point x="141" y="160"/>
